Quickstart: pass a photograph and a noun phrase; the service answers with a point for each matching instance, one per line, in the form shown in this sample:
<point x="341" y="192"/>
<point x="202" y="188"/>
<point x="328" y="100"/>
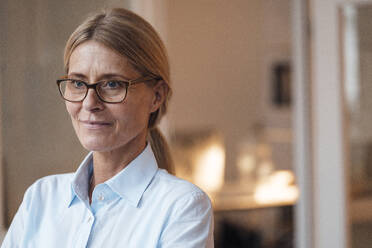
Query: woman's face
<point x="105" y="126"/>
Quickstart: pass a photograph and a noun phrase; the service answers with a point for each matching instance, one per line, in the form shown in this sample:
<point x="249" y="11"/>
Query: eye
<point x="78" y="84"/>
<point x="112" y="85"/>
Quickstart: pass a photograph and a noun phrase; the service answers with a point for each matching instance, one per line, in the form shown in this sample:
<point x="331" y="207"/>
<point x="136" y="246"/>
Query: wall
<point x="328" y="199"/>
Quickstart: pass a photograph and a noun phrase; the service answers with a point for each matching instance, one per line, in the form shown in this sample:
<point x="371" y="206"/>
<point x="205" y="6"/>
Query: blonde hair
<point x="133" y="37"/>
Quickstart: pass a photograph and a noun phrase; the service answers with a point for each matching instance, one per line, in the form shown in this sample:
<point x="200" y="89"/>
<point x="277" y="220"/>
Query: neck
<point x="108" y="163"/>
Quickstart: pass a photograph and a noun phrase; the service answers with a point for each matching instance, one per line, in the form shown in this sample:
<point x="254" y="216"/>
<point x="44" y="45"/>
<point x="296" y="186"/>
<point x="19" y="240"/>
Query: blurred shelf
<point x="235" y="197"/>
<point x="244" y="202"/>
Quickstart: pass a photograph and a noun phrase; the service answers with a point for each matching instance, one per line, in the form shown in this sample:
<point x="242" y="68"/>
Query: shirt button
<point x="90" y="219"/>
<point x="101" y="197"/>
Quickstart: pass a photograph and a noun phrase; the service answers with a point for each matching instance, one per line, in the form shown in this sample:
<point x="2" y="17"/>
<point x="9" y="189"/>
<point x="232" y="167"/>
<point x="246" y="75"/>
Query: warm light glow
<point x="246" y="163"/>
<point x="277" y="188"/>
<point x="282" y="178"/>
<point x="210" y="168"/>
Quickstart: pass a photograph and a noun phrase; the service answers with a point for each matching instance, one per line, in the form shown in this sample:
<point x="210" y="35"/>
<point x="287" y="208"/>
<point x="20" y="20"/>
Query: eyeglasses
<point x="109" y="91"/>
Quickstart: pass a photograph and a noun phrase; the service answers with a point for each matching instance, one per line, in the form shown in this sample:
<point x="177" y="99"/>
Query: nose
<point x="91" y="102"/>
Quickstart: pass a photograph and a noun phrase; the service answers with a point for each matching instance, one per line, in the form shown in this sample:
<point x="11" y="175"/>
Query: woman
<point x="116" y="90"/>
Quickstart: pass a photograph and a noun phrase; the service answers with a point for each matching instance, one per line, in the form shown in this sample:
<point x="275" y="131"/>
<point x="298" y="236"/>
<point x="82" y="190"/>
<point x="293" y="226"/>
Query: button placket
<point x="85" y="231"/>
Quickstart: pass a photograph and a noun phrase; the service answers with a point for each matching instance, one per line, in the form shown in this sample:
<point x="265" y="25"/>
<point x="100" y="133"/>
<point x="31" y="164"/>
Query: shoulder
<point x="188" y="213"/>
<point x="175" y="186"/>
<point x="48" y="187"/>
<point x="178" y="192"/>
<point x="52" y="182"/>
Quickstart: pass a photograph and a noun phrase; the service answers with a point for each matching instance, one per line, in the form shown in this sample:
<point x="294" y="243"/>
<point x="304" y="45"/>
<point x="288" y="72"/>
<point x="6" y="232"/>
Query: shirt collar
<point x="130" y="183"/>
<point x="80" y="181"/>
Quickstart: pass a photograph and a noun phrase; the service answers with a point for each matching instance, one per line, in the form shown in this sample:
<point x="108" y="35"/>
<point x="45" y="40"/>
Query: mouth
<point x="95" y="124"/>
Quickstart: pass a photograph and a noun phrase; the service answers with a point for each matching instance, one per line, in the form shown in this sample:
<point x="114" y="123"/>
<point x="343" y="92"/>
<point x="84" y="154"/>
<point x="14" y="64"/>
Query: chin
<point x="96" y="145"/>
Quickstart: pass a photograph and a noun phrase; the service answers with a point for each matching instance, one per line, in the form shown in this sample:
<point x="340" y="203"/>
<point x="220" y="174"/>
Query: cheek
<point x="132" y="118"/>
<point x="72" y="109"/>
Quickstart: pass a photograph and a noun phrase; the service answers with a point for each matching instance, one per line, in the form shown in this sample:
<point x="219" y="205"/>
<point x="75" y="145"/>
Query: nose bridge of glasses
<point x="91" y="86"/>
<point x="92" y="90"/>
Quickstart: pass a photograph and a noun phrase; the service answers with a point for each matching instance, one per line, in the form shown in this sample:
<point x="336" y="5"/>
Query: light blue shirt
<point x="140" y="207"/>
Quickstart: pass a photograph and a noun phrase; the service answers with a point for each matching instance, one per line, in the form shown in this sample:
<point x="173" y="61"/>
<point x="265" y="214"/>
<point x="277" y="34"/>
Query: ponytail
<point x="161" y="150"/>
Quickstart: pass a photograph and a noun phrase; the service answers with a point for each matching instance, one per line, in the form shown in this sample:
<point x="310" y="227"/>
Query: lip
<point x="95" y="124"/>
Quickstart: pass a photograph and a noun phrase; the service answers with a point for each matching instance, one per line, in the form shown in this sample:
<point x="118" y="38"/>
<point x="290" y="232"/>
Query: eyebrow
<point x="101" y="77"/>
<point x="78" y="75"/>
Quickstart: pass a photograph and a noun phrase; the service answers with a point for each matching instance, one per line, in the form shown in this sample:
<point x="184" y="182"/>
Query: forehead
<point x="92" y="58"/>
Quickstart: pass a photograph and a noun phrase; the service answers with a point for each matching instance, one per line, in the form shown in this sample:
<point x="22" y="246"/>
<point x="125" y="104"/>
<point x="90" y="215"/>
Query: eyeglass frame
<point x="128" y="83"/>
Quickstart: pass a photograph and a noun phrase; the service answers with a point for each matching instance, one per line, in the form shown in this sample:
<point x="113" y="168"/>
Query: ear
<point x="160" y="93"/>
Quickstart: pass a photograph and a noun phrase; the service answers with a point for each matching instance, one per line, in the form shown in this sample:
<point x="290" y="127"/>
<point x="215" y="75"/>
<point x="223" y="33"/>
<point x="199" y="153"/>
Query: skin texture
<point x="115" y="132"/>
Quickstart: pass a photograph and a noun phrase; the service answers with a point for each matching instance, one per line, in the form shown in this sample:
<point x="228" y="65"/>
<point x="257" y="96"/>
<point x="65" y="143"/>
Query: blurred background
<point x="270" y="113"/>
